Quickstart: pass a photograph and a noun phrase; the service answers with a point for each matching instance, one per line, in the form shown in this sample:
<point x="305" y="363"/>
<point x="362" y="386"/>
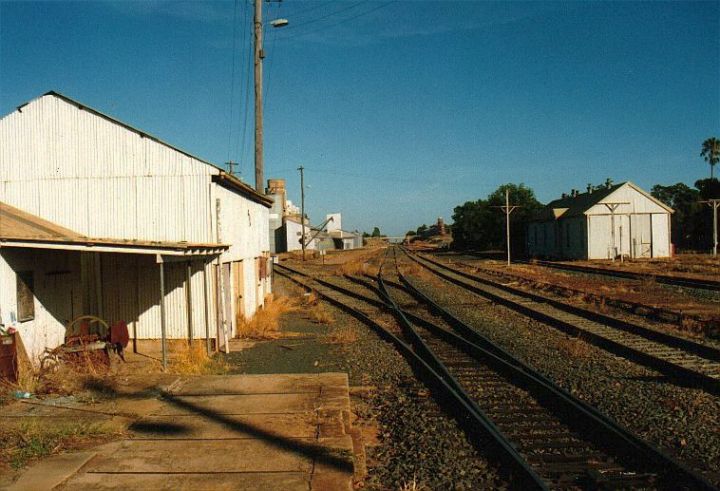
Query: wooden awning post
<point x="163" y="331"/>
<point x="207" y="313"/>
<point x="188" y="301"/>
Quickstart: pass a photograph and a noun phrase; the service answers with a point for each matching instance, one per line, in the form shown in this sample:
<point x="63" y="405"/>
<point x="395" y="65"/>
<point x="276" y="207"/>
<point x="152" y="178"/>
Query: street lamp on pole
<point x="259" y="55"/>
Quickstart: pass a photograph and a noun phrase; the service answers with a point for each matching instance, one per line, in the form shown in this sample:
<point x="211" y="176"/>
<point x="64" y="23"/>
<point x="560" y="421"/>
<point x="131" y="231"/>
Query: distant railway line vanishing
<point x="548" y="438"/>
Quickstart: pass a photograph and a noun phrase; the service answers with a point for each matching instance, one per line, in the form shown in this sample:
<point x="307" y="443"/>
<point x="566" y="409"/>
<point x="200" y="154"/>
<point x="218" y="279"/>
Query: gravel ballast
<point x="682" y="421"/>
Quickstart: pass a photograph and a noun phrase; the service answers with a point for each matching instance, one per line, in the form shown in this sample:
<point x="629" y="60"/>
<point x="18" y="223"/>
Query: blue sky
<point x="401" y="110"/>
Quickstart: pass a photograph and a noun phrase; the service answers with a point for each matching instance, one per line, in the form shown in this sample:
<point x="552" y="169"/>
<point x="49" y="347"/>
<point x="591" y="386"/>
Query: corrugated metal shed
<point x="91" y="174"/>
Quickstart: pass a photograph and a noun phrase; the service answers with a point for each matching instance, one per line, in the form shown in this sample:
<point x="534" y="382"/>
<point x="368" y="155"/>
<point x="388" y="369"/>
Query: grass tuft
<point x="266" y="322"/>
<point x="575" y="348"/>
<point x="187" y="359"/>
<point x="343" y="335"/>
<point x="35" y="439"/>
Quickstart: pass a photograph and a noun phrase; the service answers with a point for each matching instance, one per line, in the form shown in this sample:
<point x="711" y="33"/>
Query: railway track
<point x="683" y="361"/>
<point x="553" y="440"/>
<point x="685" y="282"/>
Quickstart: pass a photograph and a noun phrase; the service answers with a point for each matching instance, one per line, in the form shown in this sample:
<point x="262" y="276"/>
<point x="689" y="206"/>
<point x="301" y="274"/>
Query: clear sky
<point x="401" y="110"/>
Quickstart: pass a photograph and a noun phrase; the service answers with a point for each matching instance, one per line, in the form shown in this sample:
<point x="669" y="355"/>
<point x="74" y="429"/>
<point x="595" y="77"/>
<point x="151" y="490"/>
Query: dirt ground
<point x="701" y="266"/>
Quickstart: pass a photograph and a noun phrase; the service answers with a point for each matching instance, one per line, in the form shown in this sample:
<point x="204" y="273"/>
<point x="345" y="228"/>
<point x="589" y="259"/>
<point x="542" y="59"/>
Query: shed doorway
<point x="641" y="235"/>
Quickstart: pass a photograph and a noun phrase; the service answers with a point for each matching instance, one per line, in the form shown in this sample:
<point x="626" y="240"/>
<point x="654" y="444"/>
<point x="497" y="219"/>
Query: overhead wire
<point x="247" y="56"/>
<point x="341" y="21"/>
<point x="271" y="44"/>
<point x="318" y="19"/>
<point x="232" y="80"/>
<point x="300" y="13"/>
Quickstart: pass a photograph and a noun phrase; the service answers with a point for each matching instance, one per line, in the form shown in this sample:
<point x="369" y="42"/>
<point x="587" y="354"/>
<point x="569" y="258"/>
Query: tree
<point x="711" y="153"/>
<point x="481" y="224"/>
<point x="687" y="227"/>
<point x="375" y="232"/>
<point x="410" y="232"/>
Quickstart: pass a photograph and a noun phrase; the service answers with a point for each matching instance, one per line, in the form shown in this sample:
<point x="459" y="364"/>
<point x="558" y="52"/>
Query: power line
<point x="318" y="19"/>
<point x="300" y="13"/>
<point x="247" y="58"/>
<point x="232" y="79"/>
<point x="341" y="21"/>
<point x="271" y="45"/>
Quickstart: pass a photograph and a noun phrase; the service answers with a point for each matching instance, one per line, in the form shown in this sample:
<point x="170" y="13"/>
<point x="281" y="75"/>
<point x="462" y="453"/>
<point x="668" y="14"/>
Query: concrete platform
<point x="244" y="432"/>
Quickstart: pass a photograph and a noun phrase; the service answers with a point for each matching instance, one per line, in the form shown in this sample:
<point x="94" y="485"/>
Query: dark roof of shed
<point x="578" y="205"/>
<point x="228" y="179"/>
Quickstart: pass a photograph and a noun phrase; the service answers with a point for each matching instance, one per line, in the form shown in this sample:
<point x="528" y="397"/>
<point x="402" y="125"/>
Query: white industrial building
<point x="96" y="214"/>
<point x="342" y="239"/>
<point x="602" y="223"/>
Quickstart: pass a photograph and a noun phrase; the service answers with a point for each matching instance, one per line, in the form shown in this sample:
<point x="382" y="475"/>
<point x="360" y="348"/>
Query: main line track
<point x="683" y="361"/>
<point x="557" y="441"/>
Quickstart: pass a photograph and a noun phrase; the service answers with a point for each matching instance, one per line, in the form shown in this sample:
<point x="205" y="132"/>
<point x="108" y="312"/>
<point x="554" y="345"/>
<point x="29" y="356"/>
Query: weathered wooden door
<point x="641" y="235"/>
<point x="239" y="290"/>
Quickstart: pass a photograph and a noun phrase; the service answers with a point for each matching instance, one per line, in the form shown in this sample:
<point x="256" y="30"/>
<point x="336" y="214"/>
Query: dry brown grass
<point x="319" y="313"/>
<point x="316" y="311"/>
<point x="343" y="335"/>
<point x="193" y="359"/>
<point x="76" y="373"/>
<point x="34" y="439"/>
<point x="575" y="348"/>
<point x="414" y="269"/>
<point x="266" y="322"/>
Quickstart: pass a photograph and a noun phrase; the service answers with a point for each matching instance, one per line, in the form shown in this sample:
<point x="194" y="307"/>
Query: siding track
<point x="551" y="439"/>
<point x="681" y="360"/>
<point x="685" y="282"/>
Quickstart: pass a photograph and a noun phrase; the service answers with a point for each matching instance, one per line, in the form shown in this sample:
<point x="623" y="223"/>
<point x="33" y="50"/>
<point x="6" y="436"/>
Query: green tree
<point x="687" y="228"/>
<point x="481" y="224"/>
<point x="711" y="153"/>
<point x="376" y="232"/>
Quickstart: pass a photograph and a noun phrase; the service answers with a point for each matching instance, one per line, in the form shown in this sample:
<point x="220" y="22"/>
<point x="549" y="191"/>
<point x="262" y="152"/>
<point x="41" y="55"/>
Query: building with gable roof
<point x="101" y="218"/>
<point x="602" y="223"/>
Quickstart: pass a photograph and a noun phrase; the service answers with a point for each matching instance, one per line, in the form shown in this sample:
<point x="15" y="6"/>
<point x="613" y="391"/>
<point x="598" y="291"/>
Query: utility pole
<point x="259" y="55"/>
<point x="302" y="209"/>
<point x="714" y="204"/>
<point x="230" y="165"/>
<point x="508" y="209"/>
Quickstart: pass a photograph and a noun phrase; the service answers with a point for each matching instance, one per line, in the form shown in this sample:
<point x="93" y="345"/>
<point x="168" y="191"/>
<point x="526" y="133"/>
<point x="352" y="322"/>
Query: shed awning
<point x="22" y="229"/>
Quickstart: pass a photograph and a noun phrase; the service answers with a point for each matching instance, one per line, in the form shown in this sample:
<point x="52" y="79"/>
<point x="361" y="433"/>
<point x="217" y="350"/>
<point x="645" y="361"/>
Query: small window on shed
<point x="25" y="296"/>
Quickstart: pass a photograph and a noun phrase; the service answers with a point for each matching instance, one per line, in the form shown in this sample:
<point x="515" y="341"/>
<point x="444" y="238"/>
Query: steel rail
<point x="453" y="397"/>
<point x="660" y="278"/>
<point x="680" y="374"/>
<point x="674" y="341"/>
<point x="478" y="346"/>
<point x="656" y="313"/>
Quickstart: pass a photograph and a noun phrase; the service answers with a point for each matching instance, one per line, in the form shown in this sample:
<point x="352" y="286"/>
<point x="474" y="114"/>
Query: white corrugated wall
<point x="132" y="292"/>
<point x="80" y="170"/>
<point x="98" y="178"/>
